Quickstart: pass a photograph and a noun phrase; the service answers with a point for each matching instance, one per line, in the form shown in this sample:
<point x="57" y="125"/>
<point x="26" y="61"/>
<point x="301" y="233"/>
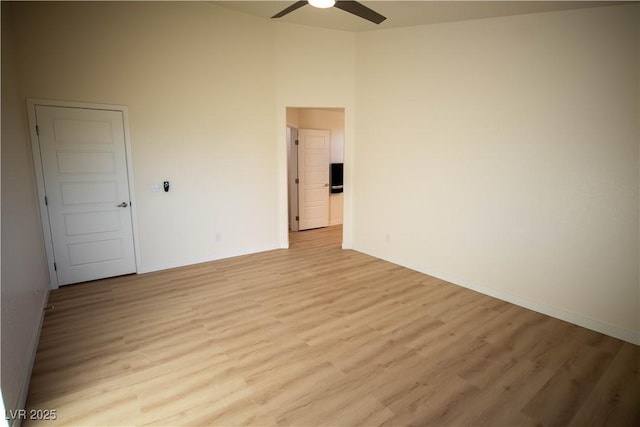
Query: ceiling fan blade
<point x="296" y="5"/>
<point x="360" y="10"/>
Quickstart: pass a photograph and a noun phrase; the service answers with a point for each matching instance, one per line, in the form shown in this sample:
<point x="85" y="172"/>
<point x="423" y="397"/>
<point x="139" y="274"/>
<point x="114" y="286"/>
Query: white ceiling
<point x="403" y="13"/>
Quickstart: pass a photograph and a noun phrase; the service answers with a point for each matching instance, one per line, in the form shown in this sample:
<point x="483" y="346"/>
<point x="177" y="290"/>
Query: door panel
<point x="83" y="131"/>
<point x="92" y="222"/>
<point x="82" y="193"/>
<point x="313" y="170"/>
<point x="97" y="251"/>
<point x="79" y="162"/>
<point x="85" y="174"/>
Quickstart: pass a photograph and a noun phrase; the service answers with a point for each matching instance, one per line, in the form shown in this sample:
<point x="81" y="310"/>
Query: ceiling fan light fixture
<point x="353" y="7"/>
<point x="322" y="4"/>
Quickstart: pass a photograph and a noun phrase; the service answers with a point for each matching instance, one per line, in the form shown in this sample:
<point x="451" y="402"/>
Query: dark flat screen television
<point x="336" y="177"/>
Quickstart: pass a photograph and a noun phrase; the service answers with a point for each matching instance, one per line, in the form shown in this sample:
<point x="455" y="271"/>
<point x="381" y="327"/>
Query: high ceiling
<point x="403" y="13"/>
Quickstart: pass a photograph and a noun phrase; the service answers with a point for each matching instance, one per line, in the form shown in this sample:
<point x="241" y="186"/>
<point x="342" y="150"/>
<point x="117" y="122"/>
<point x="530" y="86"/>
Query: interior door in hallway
<point x="84" y="165"/>
<point x="314" y="151"/>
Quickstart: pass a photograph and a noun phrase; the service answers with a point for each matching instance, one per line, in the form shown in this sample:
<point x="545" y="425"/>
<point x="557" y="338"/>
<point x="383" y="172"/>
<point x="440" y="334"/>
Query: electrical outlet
<point x="387" y="237"/>
<point x="218" y="237"/>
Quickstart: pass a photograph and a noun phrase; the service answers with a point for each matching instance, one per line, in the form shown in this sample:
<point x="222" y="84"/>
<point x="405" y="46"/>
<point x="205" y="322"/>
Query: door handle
<point x="123" y="205"/>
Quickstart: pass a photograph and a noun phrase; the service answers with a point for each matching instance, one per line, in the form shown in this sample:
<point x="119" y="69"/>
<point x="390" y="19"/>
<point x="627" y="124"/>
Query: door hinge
<point x="55" y="266"/>
<point x="297" y="142"/>
<point x="297" y="181"/>
<point x="37" y="130"/>
<point x="297" y="218"/>
<point x="46" y="201"/>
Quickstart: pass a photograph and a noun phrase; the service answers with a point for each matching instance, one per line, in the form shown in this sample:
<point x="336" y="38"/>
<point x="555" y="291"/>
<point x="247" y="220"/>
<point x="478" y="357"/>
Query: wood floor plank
<point x="567" y="390"/>
<point x="319" y="336"/>
<point x="616" y="397"/>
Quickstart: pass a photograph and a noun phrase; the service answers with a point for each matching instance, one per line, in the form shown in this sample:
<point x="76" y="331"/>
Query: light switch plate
<point x="156" y="187"/>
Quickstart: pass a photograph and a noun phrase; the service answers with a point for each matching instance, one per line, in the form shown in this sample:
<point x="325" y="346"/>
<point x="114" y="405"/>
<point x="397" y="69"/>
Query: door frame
<point x="292" y="169"/>
<point x="37" y="163"/>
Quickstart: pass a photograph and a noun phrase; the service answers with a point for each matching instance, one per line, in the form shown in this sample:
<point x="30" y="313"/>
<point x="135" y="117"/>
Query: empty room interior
<point x="376" y="213"/>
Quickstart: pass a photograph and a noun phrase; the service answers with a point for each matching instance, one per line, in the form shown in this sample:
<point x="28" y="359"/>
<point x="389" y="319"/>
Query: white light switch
<point x="156" y="187"/>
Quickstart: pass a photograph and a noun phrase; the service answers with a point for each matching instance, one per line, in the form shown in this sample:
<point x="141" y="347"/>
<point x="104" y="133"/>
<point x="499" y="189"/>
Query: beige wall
<point x="25" y="278"/>
<point x="293" y="117"/>
<point x="199" y="84"/>
<point x="502" y="154"/>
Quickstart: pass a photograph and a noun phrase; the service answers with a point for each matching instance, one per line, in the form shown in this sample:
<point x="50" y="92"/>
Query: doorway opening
<point x="315" y="161"/>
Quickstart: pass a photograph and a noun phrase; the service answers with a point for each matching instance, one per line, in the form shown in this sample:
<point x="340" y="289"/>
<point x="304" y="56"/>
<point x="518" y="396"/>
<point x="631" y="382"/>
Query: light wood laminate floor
<point x="318" y="336"/>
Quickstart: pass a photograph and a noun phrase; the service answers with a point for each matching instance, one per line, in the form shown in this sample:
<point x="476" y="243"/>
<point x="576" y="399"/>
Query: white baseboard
<point x="559" y="313"/>
<point x="33" y="348"/>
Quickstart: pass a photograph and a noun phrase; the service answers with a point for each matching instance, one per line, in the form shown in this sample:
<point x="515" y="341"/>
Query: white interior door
<point x="314" y="151"/>
<point x="84" y="167"/>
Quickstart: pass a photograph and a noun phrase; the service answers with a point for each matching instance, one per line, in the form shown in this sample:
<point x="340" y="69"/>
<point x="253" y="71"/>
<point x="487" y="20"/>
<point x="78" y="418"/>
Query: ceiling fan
<point x="353" y="7"/>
